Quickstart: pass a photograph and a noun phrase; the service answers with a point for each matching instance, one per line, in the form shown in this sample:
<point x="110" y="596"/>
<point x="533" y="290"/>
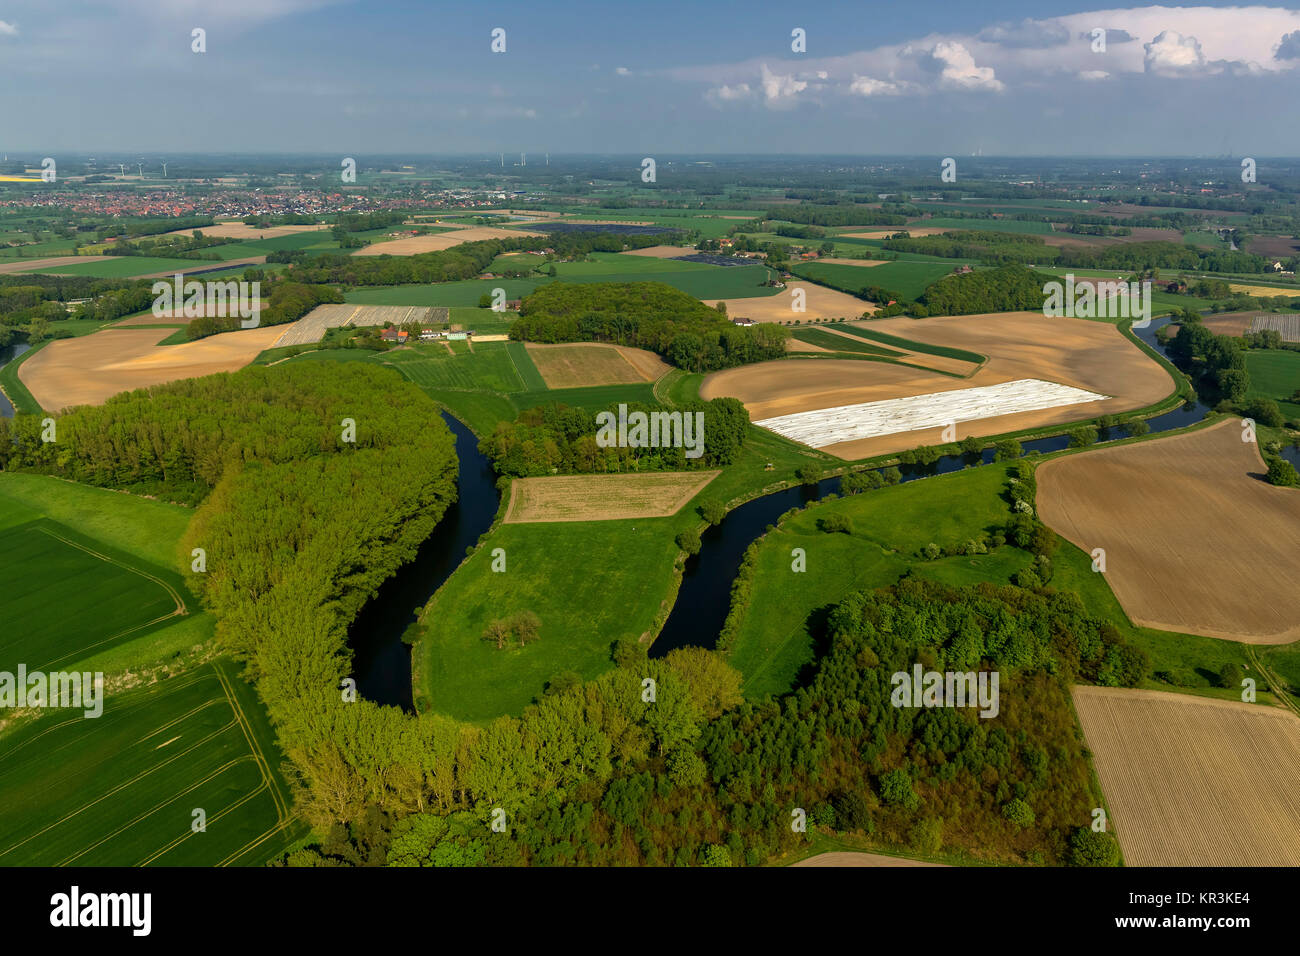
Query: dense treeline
<point x="179" y="439"/>
<point x="555" y="438"/>
<point x="1004" y="289"/>
<point x="648" y="315"/>
<point x="592" y="775"/>
<point x="464" y="261"/>
<point x="1002" y="247"/>
<point x="172" y="247"/>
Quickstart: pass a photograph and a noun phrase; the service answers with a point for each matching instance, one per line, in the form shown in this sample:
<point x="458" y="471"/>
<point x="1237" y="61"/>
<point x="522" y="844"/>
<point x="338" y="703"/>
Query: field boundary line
<point x="281" y="809"/>
<point x="181" y="839"/>
<point x="1274" y="684"/>
<point x="122" y="786"/>
<point x="175" y="596"/>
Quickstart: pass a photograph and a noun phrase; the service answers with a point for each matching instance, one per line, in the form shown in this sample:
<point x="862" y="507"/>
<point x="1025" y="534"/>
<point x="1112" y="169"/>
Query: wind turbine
<point x="140" y="166"/>
<point x="523" y="159"/>
<point x="122" y="167"/>
<point x="164" y="165"/>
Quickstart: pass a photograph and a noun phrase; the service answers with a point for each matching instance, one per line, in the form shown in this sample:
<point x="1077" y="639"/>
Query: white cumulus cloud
<point x="960" y="71"/>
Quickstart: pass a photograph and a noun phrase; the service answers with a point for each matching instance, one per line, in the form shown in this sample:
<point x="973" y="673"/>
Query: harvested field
<point x="1138" y="234"/>
<point x="92" y="368"/>
<point x="847" y="858"/>
<point x="582" y="364"/>
<point x="850" y="262"/>
<point x="915" y="232"/>
<point x="440" y="240"/>
<point x="1265" y="290"/>
<point x="603" y="497"/>
<point x="661" y="252"/>
<point x="239" y="230"/>
<point x="309" y="329"/>
<point x="819" y="303"/>
<point x="1092" y="356"/>
<point x="1288" y="326"/>
<point x="1192" y="781"/>
<point x="847" y="423"/>
<point x="798" y="345"/>
<point x="1195" y="541"/>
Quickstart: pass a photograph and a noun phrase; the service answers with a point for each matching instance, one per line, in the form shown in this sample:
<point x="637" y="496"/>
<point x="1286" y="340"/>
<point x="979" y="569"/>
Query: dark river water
<point x="381" y="661"/>
<point x="7" y="354"/>
<point x="382" y="664"/>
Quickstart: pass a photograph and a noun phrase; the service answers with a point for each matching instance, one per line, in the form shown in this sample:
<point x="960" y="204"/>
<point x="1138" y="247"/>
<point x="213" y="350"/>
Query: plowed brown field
<point x="1195" y="542"/>
<point x="1192" y="781"/>
<point x="1090" y="355"/>
<point x="603" y="497"/>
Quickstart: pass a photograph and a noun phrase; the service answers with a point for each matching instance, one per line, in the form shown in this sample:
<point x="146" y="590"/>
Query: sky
<point x="1007" y="78"/>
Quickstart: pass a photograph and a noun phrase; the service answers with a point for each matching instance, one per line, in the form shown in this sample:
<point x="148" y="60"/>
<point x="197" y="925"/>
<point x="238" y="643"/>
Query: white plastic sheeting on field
<point x="828" y="426"/>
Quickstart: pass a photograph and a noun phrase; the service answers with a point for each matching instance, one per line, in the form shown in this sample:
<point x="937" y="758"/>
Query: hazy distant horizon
<point x="1013" y="79"/>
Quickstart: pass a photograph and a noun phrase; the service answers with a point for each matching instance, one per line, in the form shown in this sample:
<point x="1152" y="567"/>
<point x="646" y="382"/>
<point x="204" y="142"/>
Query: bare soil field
<point x="1228" y="323"/>
<point x="603" y="497"/>
<point x="866" y="263"/>
<point x="819" y="303"/>
<point x="439" y="240"/>
<point x="150" y="319"/>
<point x="1195" y="541"/>
<point x="27" y="265"/>
<point x="590" y="363"/>
<point x="1138" y="234"/>
<point x="239" y="230"/>
<point x="92" y="368"/>
<point x="1192" y="781"/>
<point x="941" y="362"/>
<point x="1273" y="247"/>
<point x="662" y="252"/>
<point x="849" y="858"/>
<point x="1093" y="356"/>
<point x="796" y="345"/>
<point x="915" y="232"/>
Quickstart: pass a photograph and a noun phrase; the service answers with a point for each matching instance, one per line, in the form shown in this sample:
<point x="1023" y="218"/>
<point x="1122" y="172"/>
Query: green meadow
<point x="1275" y="374"/>
<point x="908" y="278"/>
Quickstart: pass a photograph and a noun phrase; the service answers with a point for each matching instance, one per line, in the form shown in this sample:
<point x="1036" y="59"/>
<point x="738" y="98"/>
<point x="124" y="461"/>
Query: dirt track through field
<point x="603" y="497"/>
<point x="1192" y="781"/>
<point x="1093" y="356"/>
<point x="1195" y="541"/>
<point x="92" y="368"/>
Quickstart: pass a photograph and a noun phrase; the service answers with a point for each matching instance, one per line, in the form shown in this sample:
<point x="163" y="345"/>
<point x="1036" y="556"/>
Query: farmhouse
<point x="399" y="336"/>
<point x="428" y="335"/>
<point x="742" y="320"/>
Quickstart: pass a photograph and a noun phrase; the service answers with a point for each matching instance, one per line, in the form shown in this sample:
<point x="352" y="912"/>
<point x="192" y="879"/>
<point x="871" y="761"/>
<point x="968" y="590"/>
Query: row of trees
<point x="556" y="438"/>
<point x="649" y="315"/>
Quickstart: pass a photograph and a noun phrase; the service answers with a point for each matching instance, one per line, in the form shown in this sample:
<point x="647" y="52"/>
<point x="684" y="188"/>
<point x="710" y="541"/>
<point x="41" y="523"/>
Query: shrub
<point x="1231" y="675"/>
<point x="1136" y="427"/>
<point x="1019" y="813"/>
<point x="712" y="510"/>
<point x="1007" y="449"/>
<point x="1083" y="436"/>
<point x="837" y="523"/>
<point x="932" y="551"/>
<point x="851" y="812"/>
<point x="1089" y="848"/>
<point x="1282" y="472"/>
<point x="926" y="836"/>
<point x="689" y="541"/>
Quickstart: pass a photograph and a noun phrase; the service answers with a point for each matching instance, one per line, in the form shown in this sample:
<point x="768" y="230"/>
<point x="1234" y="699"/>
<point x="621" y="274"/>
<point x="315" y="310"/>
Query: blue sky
<point x="1011" y="78"/>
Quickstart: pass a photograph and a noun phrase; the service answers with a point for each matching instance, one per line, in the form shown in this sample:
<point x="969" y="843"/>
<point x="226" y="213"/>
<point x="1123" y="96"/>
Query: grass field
<point x="120" y="789"/>
<point x="908" y="279"/>
<point x="1025" y="226"/>
<point x="838" y="343"/>
<point x="492" y="366"/>
<point x="890" y="526"/>
<point x="1275" y="374"/>
<point x="75" y="596"/>
<point x="622" y="567"/>
<point x="925" y="348"/>
<point x="121" y="267"/>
